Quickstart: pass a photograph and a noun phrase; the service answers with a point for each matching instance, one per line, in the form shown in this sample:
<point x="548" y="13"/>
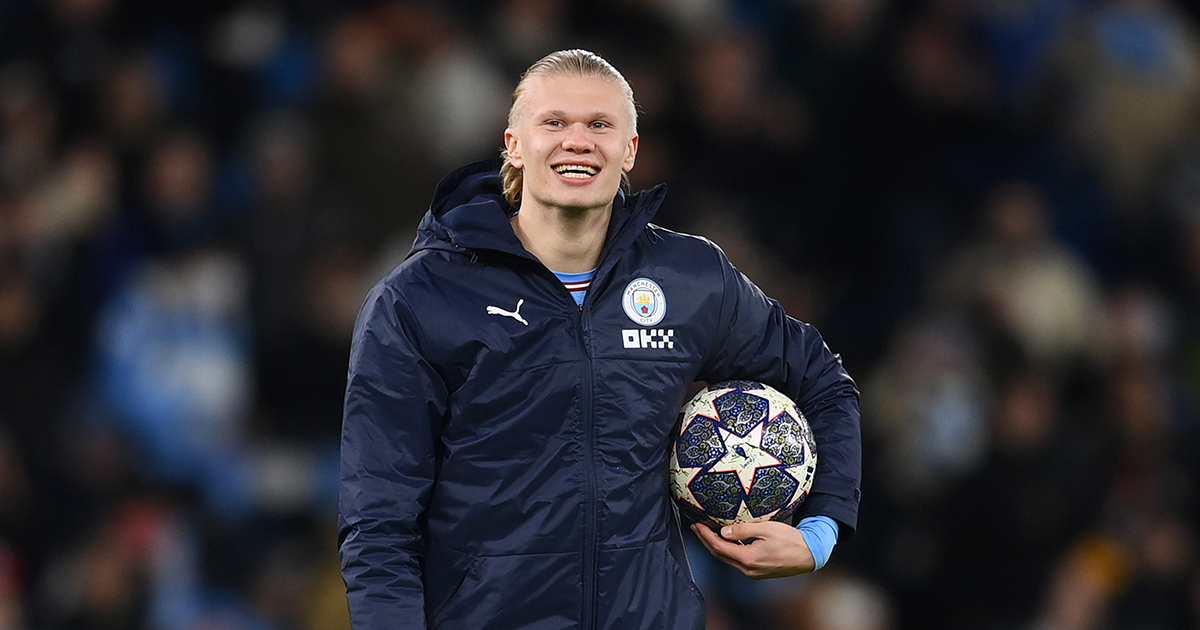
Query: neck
<point x="565" y="240"/>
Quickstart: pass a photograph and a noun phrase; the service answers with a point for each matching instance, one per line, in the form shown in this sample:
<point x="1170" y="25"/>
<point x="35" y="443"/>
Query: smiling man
<point x="514" y="384"/>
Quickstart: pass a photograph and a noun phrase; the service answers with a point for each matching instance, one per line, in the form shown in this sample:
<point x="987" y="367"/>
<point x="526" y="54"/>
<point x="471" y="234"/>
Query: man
<point x="508" y="412"/>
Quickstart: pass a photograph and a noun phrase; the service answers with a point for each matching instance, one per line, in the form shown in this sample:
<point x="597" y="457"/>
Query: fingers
<point x="737" y="554"/>
<point x="746" y="531"/>
<point x="715" y="542"/>
<point x="726" y="551"/>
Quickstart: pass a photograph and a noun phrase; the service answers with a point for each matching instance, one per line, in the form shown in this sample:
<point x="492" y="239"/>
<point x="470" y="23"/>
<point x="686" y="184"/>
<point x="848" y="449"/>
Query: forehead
<point x="574" y="95"/>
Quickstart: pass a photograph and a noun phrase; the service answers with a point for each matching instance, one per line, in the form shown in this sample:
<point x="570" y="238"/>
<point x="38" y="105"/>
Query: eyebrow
<point x="558" y="113"/>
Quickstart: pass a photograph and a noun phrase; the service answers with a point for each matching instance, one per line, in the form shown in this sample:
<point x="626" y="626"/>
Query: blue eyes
<point x="594" y="125"/>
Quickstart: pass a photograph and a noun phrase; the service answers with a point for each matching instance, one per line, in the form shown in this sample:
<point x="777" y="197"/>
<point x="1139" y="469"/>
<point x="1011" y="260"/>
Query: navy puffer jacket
<point x="504" y="451"/>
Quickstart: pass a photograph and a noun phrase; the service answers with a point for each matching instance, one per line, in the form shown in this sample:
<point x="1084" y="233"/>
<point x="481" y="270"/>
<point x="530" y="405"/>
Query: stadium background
<point x="991" y="208"/>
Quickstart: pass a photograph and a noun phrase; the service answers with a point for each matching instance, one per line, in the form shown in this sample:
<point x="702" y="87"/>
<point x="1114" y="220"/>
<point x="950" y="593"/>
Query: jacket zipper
<point x="589" y="447"/>
<point x="590" y="542"/>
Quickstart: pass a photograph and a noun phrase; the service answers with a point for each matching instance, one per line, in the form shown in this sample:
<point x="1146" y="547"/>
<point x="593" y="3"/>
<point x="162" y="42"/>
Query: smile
<point x="576" y="171"/>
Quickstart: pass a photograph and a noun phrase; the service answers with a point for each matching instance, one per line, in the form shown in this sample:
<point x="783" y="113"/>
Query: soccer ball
<point x="744" y="453"/>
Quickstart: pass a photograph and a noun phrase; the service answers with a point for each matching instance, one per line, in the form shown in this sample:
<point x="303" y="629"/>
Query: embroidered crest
<point x="644" y="302"/>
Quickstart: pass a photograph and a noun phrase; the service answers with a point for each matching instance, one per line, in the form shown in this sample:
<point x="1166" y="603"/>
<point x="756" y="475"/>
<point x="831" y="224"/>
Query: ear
<point x="511" y="146"/>
<point x="630" y="154"/>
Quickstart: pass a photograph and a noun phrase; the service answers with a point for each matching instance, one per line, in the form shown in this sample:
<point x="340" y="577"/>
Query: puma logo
<point x="515" y="314"/>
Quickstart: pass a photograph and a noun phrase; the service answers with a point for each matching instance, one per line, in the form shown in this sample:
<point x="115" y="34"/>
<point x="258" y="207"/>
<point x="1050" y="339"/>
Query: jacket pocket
<point x="647" y="588"/>
<point x="526" y="592"/>
<point x="445" y="572"/>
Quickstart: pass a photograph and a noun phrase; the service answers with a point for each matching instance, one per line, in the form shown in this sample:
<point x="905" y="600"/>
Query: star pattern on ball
<point x="743" y="455"/>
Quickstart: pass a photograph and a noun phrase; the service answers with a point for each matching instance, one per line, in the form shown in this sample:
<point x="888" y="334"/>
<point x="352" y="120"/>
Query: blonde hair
<point x="574" y="63"/>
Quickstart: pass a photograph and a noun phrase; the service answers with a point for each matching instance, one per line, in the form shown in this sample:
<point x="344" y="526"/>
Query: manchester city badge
<point x="644" y="302"/>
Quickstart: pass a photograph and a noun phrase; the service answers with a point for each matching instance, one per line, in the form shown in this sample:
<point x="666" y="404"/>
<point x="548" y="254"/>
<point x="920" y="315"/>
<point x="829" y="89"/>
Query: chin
<point x="581" y="202"/>
<point x="590" y="204"/>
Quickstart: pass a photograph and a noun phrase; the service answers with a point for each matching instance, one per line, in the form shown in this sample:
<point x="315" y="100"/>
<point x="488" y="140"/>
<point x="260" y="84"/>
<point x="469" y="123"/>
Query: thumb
<point x="742" y="531"/>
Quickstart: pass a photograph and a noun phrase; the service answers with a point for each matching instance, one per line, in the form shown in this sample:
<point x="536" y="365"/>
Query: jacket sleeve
<point x="761" y="342"/>
<point x="394" y="406"/>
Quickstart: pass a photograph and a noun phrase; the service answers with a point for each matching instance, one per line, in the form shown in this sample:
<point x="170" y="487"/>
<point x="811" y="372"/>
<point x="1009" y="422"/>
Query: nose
<point x="577" y="139"/>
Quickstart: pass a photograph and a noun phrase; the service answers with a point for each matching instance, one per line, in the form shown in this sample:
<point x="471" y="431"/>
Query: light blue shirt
<point x="577" y="283"/>
<point x="820" y="533"/>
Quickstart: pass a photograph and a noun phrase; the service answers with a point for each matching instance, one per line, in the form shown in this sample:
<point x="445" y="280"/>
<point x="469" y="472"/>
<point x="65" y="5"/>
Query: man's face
<point x="573" y="136"/>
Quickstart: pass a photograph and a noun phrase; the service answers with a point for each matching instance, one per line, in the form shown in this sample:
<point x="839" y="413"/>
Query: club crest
<point x="644" y="302"/>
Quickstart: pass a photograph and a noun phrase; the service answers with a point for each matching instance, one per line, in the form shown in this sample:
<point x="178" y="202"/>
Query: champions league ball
<point x="744" y="453"/>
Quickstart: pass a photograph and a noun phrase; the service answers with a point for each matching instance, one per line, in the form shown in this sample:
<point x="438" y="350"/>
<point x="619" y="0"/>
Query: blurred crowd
<point x="991" y="209"/>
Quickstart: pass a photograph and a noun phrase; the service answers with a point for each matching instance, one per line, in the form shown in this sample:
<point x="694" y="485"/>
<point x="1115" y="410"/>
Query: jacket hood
<point x="469" y="212"/>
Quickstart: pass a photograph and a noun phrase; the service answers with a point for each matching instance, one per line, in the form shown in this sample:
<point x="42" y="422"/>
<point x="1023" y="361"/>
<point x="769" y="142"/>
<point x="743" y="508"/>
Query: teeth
<point x="576" y="171"/>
